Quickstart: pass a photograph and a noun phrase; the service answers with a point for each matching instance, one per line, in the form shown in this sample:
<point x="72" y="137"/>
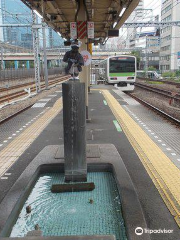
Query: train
<point x="120" y="70"/>
<point x="150" y="74"/>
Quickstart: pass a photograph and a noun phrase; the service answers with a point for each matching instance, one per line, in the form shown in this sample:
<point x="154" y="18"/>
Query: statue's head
<point x="75" y="45"/>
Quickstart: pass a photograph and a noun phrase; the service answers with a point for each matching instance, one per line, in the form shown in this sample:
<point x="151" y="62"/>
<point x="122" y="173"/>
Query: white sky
<point x="154" y="4"/>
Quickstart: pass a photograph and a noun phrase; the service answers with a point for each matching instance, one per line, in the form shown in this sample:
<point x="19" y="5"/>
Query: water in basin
<point x="97" y="212"/>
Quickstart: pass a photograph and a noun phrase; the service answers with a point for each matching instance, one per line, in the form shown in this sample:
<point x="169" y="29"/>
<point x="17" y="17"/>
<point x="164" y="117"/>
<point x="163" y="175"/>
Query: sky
<point x="154" y="4"/>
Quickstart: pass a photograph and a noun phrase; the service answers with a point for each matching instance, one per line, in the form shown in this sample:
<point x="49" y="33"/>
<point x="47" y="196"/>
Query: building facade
<point x="170" y="36"/>
<point x="149" y="44"/>
<point x="136" y="15"/>
<point x="13" y="12"/>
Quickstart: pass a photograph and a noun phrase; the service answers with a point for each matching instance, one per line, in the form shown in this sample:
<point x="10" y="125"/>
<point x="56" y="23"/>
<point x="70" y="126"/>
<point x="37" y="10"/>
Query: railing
<point x="22" y="73"/>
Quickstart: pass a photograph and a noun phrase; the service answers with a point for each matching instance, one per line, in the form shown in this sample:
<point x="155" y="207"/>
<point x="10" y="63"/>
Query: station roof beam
<point x="106" y="14"/>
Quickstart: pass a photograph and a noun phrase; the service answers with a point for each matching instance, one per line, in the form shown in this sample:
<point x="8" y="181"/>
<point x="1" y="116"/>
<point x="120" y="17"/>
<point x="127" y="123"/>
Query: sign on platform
<point x="73" y="30"/>
<point x="90" y="27"/>
<point x="87" y="57"/>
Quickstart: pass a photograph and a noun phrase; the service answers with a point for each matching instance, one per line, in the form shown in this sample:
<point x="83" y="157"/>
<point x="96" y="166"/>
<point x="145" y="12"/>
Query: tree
<point x="137" y="55"/>
<point x="151" y="68"/>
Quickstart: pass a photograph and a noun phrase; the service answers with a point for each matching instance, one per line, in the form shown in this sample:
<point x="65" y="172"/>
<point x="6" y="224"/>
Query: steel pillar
<point x="44" y="47"/>
<point x="36" y="54"/>
<point x="16" y="64"/>
<point x="146" y="61"/>
<point x="84" y="74"/>
<point x="27" y="65"/>
<point x="2" y="61"/>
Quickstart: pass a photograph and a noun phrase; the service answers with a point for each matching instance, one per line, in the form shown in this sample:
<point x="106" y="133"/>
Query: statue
<point x="74" y="59"/>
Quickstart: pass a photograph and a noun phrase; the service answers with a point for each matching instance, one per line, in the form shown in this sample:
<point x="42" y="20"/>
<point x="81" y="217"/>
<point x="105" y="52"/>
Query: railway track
<point x="5" y="89"/>
<point x="166" y="93"/>
<point x="12" y="96"/>
<point x="159" y="111"/>
<point x="177" y="84"/>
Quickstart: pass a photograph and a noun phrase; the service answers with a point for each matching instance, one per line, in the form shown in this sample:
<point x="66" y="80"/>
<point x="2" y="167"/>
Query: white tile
<point x="45" y="100"/>
<point x="4" y="178"/>
<point x="7" y="174"/>
<point x="39" y="105"/>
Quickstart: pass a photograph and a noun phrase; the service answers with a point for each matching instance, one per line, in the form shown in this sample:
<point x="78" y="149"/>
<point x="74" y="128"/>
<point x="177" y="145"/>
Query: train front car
<point x="122" y="71"/>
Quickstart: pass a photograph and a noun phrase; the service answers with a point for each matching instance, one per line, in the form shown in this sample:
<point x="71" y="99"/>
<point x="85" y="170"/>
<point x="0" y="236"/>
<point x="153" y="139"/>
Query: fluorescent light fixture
<point x="114" y="24"/>
<point x="122" y="12"/>
<point x="64" y="39"/>
<point x="39" y="15"/>
<point x="59" y="34"/>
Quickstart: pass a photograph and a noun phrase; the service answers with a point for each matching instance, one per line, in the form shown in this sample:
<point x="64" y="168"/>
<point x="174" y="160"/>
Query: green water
<point x="64" y="214"/>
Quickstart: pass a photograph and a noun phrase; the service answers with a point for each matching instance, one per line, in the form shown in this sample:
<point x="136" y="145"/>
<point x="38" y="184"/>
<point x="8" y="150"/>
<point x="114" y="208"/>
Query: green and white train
<point x="120" y="70"/>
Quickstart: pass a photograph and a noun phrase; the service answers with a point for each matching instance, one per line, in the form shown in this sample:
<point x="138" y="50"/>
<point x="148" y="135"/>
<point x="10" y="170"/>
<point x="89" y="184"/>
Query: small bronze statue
<point x="28" y="209"/>
<point x="36" y="227"/>
<point x="91" y="201"/>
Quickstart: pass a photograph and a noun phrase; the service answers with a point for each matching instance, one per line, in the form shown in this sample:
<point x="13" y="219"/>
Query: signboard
<point x="82" y="29"/>
<point x="113" y="33"/>
<point x="178" y="59"/>
<point x="73" y="30"/>
<point x="87" y="57"/>
<point x="90" y="28"/>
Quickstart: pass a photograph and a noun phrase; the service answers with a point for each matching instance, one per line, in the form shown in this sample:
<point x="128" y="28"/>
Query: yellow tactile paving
<point x="165" y="175"/>
<point x="16" y="148"/>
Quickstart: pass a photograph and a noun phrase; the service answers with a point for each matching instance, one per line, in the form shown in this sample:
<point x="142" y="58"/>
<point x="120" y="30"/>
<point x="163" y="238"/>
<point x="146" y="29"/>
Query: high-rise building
<point x="170" y="36"/>
<point x="13" y="12"/>
<point x="135" y="16"/>
<point x="54" y="40"/>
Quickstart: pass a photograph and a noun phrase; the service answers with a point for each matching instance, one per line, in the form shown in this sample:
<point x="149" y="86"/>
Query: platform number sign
<point x="73" y="30"/>
<point x="90" y="28"/>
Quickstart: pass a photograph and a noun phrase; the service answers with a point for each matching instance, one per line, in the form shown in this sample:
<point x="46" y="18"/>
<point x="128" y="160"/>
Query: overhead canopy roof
<point x="104" y="13"/>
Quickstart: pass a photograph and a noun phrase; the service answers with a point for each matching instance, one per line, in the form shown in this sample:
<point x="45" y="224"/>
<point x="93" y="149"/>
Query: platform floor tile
<point x="162" y="129"/>
<point x="16" y="147"/>
<point x="164" y="174"/>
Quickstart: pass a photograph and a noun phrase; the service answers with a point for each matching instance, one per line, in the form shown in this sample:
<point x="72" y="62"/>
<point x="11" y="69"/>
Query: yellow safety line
<point x="164" y="174"/>
<point x="16" y="148"/>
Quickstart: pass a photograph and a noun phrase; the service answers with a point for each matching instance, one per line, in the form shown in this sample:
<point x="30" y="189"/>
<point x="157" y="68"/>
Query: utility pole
<point x="44" y="47"/>
<point x="36" y="54"/>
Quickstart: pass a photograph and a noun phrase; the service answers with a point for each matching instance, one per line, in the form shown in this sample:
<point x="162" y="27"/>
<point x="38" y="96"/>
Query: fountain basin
<point x="108" y="162"/>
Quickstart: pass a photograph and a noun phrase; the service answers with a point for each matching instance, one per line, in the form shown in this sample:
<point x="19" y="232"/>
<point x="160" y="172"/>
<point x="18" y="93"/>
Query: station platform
<point x="147" y="143"/>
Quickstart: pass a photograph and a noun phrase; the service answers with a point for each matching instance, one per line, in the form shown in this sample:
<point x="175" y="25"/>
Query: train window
<point x="117" y="66"/>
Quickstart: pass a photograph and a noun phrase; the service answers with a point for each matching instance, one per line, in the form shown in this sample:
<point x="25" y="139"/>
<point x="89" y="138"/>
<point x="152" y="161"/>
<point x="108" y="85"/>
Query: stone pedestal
<point x="74" y="120"/>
